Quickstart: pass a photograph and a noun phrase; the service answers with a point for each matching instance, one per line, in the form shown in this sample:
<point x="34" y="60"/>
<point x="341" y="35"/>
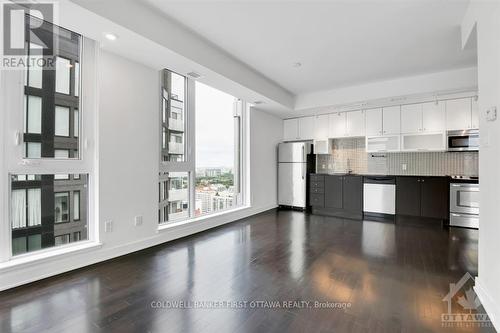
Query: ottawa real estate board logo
<point x="464" y="306"/>
<point x="27" y="35"/>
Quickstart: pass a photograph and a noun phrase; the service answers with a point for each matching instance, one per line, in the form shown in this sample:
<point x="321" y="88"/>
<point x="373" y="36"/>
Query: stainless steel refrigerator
<point x="294" y="163"/>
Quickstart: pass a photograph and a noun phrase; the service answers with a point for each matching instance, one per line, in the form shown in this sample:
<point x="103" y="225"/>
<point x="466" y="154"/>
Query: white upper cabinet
<point x="373" y="121"/>
<point x="411" y="118"/>
<point x="433" y="116"/>
<point x="475" y="113"/>
<point x="391" y="120"/>
<point x="290" y="129"/>
<point x="423" y="117"/>
<point x="355" y="123"/>
<point x="459" y="114"/>
<point x="321" y="127"/>
<point x="337" y="125"/>
<point x="306" y="128"/>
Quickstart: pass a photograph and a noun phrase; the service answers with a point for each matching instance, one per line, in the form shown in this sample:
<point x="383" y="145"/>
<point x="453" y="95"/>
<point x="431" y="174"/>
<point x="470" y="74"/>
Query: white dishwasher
<point x="379" y="196"/>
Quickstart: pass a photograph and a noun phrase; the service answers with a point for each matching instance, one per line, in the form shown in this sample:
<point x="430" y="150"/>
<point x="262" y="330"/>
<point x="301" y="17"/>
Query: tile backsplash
<point x="350" y="153"/>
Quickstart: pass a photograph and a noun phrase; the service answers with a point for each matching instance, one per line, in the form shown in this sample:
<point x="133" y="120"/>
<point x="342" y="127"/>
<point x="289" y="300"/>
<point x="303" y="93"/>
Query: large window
<point x="48" y="171"/>
<point x="215" y="150"/>
<point x="200" y="149"/>
<point x="37" y="196"/>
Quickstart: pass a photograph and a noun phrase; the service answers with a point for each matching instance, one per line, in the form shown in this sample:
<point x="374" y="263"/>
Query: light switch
<point x="491" y="114"/>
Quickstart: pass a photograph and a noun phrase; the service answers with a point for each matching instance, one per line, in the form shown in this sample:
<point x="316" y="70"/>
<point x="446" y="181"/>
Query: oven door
<point x="464" y="198"/>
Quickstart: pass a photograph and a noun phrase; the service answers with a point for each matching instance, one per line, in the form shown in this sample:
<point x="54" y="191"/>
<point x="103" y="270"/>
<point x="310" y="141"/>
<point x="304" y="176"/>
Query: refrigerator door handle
<point x="303" y="169"/>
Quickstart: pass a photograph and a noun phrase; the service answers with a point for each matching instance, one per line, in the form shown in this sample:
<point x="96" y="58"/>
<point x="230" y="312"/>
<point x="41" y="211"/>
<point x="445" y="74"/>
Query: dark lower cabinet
<point x="352" y="191"/>
<point x="434" y="194"/>
<point x="337" y="195"/>
<point x="408" y="196"/>
<point x="333" y="192"/>
<point x="422" y="197"/>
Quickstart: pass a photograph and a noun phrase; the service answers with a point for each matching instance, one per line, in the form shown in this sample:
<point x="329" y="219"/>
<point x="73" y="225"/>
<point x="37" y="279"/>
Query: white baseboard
<point x="489" y="304"/>
<point x="64" y="263"/>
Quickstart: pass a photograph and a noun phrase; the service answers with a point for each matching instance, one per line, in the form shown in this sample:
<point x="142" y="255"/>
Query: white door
<point x="299" y="184"/>
<point x="337" y="125"/>
<point x="355" y="123"/>
<point x="434" y="116"/>
<point x="411" y="118"/>
<point x="290" y="129"/>
<point x="458" y="114"/>
<point x="285" y="183"/>
<point x="373" y="121"/>
<point x="475" y="113"/>
<point x="391" y="120"/>
<point x="306" y="128"/>
<point x="321" y="124"/>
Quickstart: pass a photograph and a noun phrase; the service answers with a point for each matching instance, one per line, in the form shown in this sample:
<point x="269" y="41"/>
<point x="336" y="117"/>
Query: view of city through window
<point x="215" y="146"/>
<point x="215" y="150"/>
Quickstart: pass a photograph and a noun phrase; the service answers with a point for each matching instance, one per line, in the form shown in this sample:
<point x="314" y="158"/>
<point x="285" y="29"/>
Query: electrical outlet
<point x="138" y="220"/>
<point x="403" y="166"/>
<point x="108" y="226"/>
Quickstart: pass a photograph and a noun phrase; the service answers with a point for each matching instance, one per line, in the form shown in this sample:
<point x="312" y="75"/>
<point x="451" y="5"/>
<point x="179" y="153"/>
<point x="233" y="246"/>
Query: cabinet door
<point x="306" y="128"/>
<point x="290" y="129"/>
<point x="475" y="113"/>
<point x="373" y="121"/>
<point x="458" y="114"/>
<point x="408" y="196"/>
<point x="337" y="125"/>
<point x="333" y="192"/>
<point x="355" y="123"/>
<point x="353" y="193"/>
<point x="434" y="116"/>
<point x="321" y="124"/>
<point x="391" y="119"/>
<point x="434" y="197"/>
<point x="411" y="118"/>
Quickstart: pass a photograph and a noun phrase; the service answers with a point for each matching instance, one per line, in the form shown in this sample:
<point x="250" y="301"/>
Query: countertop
<point x="454" y="180"/>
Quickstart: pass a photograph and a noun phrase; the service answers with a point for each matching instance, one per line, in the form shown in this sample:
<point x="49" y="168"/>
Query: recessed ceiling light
<point x="297" y="64"/>
<point x="111" y="36"/>
<point x="258" y="102"/>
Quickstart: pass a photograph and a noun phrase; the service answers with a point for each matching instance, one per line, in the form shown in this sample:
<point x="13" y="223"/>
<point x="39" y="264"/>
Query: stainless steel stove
<point x="464" y="202"/>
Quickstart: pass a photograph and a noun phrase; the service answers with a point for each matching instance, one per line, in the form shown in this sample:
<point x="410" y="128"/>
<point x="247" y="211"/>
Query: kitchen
<point x="401" y="158"/>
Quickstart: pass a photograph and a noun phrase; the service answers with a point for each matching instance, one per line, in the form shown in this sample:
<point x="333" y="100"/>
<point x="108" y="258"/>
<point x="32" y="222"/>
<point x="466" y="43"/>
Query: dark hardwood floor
<point x="387" y="277"/>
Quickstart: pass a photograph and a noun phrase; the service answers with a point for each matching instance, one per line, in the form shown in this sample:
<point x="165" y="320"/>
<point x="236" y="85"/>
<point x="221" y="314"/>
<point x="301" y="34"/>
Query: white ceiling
<point x="339" y="43"/>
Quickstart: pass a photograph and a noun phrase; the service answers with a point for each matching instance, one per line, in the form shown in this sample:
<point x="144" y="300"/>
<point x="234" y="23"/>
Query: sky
<point x="214" y="127"/>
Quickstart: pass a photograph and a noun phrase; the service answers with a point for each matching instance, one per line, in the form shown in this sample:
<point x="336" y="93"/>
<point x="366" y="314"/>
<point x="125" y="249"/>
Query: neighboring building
<point x="209" y="200"/>
<point x="174" y="197"/>
<point x="50" y="210"/>
<point x="173" y="117"/>
<point x="213" y="172"/>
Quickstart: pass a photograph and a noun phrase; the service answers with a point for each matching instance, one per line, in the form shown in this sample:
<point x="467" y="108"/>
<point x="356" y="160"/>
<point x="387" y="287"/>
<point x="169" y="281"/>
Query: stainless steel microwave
<point x="466" y="140"/>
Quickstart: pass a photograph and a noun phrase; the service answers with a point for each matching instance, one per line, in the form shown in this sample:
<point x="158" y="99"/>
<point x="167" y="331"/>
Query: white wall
<point x="459" y="79"/>
<point x="266" y="132"/>
<point x="484" y="16"/>
<point x="128" y="166"/>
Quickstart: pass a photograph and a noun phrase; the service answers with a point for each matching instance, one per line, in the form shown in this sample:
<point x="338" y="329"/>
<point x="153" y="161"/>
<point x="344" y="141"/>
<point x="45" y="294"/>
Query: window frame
<point x="12" y="124"/>
<point x="241" y="110"/>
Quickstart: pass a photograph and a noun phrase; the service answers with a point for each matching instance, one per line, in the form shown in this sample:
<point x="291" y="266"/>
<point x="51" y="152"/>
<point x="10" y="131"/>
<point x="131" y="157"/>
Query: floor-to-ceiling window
<point x="200" y="144"/>
<point x="216" y="150"/>
<point x="48" y="175"/>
